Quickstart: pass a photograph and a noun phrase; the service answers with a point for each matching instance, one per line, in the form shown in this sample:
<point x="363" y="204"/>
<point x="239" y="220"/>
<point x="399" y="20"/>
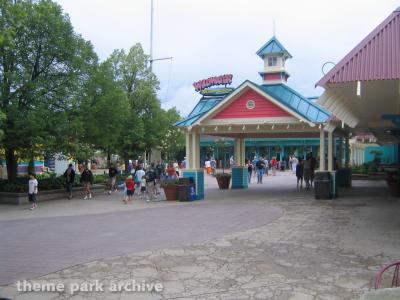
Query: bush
<point x="47" y="181"/>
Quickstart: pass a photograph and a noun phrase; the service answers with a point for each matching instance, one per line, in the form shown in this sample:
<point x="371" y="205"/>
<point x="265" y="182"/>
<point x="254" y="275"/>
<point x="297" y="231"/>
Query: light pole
<point x="151" y="40"/>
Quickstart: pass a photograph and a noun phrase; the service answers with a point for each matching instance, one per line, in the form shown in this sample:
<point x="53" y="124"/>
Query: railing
<point x="395" y="278"/>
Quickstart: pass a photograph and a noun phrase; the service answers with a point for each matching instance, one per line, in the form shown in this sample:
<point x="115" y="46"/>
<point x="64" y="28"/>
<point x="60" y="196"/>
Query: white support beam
<point x="330" y="151"/>
<point x="195" y="161"/>
<point x="197" y="149"/>
<point x="188" y="152"/>
<point x="321" y="149"/>
<point x="243" y="153"/>
<point x="237" y="151"/>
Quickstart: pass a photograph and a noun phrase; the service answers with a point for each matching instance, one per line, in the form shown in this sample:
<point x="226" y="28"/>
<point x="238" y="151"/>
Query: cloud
<point x="183" y="98"/>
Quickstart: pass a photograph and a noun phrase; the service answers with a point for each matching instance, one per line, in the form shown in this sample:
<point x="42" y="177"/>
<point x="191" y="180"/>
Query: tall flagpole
<point x="151" y="37"/>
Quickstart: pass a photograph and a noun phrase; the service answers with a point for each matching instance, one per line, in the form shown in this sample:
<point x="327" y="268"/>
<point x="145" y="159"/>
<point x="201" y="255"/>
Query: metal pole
<point x="151" y="37"/>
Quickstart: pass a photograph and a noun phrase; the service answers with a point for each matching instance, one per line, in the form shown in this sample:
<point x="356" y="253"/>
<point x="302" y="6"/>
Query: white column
<point x="188" y="152"/>
<point x="330" y="151"/>
<point x="237" y="151"/>
<point x="321" y="149"/>
<point x="195" y="149"/>
<point x="243" y="152"/>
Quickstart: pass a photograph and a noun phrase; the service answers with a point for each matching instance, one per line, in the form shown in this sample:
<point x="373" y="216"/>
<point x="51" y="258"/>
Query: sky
<point x="215" y="37"/>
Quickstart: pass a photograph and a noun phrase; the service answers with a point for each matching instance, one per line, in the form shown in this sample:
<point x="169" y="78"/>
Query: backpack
<point x="150" y="176"/>
<point x="259" y="164"/>
<point x="160" y="170"/>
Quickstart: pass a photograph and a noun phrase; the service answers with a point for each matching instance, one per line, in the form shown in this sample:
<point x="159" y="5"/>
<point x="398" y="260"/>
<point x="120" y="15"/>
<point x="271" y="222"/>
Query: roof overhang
<point x="366" y="108"/>
<point x="239" y="91"/>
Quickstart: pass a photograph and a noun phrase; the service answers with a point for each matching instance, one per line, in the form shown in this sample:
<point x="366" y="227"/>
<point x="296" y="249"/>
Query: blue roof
<point x="204" y="105"/>
<point x="272" y="46"/>
<point x="296" y="102"/>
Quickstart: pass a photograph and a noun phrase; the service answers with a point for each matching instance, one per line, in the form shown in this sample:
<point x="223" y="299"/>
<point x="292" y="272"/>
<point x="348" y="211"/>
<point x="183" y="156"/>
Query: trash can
<point x="185" y="180"/>
<point x="184" y="192"/>
<point x="343" y="177"/>
<point x="323" y="185"/>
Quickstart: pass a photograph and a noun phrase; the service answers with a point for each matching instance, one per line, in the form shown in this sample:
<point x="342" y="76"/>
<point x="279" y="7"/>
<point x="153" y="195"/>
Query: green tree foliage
<point x="143" y="127"/>
<point x="104" y="112"/>
<point x="172" y="143"/>
<point x="43" y="67"/>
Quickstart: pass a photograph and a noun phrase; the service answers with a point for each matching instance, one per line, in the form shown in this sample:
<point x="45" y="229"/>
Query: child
<point x="130" y="188"/>
<point x="123" y="186"/>
<point x="299" y="173"/>
<point x="143" y="189"/>
<point x="32" y="191"/>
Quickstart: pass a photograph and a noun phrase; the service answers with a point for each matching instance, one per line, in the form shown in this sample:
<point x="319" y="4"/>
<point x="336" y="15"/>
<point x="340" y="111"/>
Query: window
<point x="272" y="61"/>
<point x="250" y="104"/>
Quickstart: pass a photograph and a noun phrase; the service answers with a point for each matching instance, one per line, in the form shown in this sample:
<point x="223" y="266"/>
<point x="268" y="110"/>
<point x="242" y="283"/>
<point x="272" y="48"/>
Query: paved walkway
<point x="270" y="241"/>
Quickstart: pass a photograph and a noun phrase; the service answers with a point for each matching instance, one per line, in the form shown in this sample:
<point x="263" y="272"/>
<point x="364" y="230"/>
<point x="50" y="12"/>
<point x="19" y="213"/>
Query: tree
<point x="142" y="126"/>
<point x="43" y="67"/>
<point x="104" y="111"/>
<point x="172" y="142"/>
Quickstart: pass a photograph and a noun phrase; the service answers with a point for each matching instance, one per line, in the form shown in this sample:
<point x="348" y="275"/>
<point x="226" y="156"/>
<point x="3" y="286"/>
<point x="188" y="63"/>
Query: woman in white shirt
<point x="32" y="191"/>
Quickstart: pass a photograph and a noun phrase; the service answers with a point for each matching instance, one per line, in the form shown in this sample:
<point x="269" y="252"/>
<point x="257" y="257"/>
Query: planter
<point x="223" y="182"/>
<point x="171" y="192"/>
<point x="394" y="188"/>
<point x="60" y="194"/>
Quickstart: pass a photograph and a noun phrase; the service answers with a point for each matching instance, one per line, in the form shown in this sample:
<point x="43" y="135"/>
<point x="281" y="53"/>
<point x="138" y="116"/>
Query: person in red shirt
<point x="274" y="165"/>
<point x="171" y="172"/>
<point x="130" y="189"/>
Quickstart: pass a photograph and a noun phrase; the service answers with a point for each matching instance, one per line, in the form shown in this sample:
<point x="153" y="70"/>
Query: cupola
<point x="274" y="56"/>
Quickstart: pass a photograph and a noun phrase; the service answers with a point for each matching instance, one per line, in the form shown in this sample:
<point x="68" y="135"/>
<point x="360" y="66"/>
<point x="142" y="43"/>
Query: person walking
<point x="160" y="173"/>
<point x="249" y="170"/>
<point x="112" y="174"/>
<point x="207" y="165"/>
<point x="266" y="166"/>
<point x="69" y="175"/>
<point x="143" y="189"/>
<point x="313" y="165"/>
<point x="274" y="165"/>
<point x="299" y="173"/>
<point x="130" y="189"/>
<point x="260" y="169"/>
<point x="307" y="172"/>
<point x="87" y="181"/>
<point x="32" y="191"/>
<point x="150" y="182"/>
<point x="293" y="162"/>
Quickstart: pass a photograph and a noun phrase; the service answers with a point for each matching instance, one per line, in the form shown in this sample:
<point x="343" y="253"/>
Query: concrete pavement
<point x="270" y="241"/>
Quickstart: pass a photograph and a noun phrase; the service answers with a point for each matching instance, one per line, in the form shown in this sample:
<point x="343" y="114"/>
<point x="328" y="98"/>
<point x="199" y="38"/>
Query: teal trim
<point x="198" y="179"/>
<point x="271" y="47"/>
<point x="204" y="142"/>
<point x="239" y="178"/>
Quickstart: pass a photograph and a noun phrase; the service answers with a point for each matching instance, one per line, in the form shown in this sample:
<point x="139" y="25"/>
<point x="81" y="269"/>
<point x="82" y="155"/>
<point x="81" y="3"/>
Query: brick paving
<point x="37" y="246"/>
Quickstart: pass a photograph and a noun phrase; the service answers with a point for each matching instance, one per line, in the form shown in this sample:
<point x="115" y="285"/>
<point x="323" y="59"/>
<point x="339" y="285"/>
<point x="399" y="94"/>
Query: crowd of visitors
<point x="144" y="183"/>
<point x="303" y="169"/>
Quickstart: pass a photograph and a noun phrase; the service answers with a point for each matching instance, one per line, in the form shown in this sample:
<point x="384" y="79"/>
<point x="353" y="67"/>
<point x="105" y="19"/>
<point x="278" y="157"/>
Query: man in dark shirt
<point x="112" y="173"/>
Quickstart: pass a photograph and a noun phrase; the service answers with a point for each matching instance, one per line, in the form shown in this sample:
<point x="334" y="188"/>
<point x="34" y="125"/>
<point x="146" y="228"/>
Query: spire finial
<point x="273" y="27"/>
